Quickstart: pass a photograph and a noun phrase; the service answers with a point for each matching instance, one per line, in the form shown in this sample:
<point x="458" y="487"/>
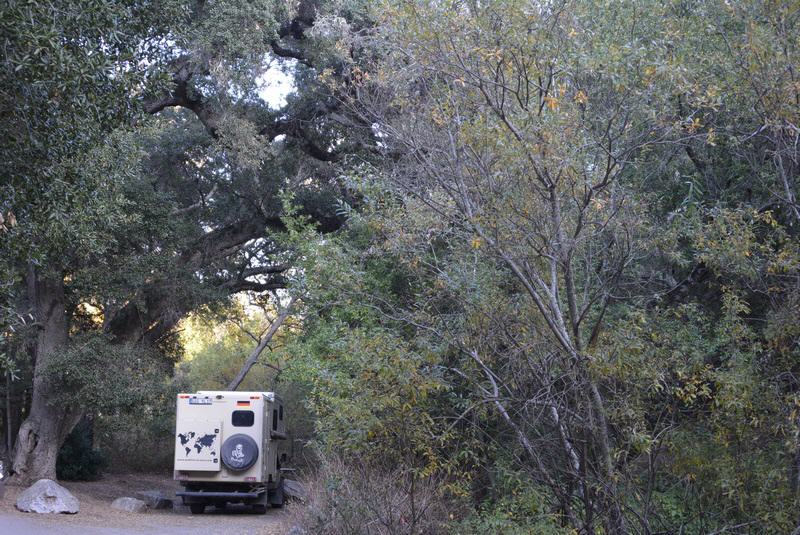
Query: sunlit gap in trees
<point x="276" y="83"/>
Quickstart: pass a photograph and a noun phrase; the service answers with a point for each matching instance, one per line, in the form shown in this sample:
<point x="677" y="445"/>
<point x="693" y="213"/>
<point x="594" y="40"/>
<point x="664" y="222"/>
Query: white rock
<point x="131" y="505"/>
<point x="47" y="496"/>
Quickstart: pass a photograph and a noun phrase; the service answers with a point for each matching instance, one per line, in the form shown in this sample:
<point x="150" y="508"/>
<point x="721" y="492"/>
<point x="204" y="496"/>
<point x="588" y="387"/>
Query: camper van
<point x="229" y="449"/>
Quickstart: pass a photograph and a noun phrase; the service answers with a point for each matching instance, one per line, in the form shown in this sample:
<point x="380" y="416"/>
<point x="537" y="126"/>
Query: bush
<point x="513" y="505"/>
<point x="78" y="460"/>
<point x="355" y="499"/>
<point x="142" y="440"/>
<point x="511" y="515"/>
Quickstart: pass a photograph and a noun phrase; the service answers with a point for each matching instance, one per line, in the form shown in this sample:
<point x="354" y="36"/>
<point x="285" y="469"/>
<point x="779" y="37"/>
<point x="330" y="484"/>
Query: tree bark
<point x="47" y="425"/>
<point x="8" y="423"/>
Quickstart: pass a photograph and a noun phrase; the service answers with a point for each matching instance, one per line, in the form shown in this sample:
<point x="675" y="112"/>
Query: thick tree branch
<point x="285" y="52"/>
<point x="262" y="344"/>
<point x="222" y="242"/>
<point x="274" y="283"/>
<point x="196" y="205"/>
<point x="154" y="313"/>
<point x="264" y="270"/>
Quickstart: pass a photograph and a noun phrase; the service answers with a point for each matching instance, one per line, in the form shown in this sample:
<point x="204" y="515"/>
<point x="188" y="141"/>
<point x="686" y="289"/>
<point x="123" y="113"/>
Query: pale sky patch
<point x="276" y="83"/>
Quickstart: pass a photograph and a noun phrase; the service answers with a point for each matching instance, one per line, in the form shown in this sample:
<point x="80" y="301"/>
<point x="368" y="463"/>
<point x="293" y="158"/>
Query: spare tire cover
<point x="239" y="452"/>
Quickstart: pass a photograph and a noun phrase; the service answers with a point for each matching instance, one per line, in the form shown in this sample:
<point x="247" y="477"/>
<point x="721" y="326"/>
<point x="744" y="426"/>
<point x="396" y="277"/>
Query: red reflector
<point x="250" y="478"/>
<point x="183" y="396"/>
<point x="242" y="403"/>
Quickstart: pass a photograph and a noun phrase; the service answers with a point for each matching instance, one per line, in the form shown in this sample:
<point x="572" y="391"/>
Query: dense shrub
<point x="77" y="459"/>
<point x="141" y="439"/>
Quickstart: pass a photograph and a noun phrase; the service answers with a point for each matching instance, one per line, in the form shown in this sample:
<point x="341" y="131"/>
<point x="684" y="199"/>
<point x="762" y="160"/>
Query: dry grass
<point x="353" y="499"/>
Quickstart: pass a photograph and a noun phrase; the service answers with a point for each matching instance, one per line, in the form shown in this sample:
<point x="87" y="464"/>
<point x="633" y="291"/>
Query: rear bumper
<point x="217" y="497"/>
<point x="227" y="495"/>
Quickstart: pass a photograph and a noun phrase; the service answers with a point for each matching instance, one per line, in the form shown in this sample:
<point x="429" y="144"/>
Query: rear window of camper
<point x="243" y="418"/>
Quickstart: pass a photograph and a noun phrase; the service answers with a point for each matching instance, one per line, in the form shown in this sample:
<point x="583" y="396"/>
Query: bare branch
<point x="262" y="344"/>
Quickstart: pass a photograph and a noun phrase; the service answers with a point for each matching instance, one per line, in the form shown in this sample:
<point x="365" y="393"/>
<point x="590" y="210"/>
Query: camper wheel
<point x="276" y="497"/>
<point x="197" y="508"/>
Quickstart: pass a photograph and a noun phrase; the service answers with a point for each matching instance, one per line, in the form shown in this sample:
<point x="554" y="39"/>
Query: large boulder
<point x="155" y="499"/>
<point x="47" y="496"/>
<point x="130" y="505"/>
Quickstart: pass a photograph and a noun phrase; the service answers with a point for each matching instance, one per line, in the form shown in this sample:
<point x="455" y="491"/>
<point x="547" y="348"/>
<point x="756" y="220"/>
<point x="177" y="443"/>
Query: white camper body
<point x="227" y="448"/>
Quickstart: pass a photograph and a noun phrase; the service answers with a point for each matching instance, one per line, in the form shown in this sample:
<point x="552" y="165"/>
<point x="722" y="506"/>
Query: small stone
<point x="294" y="489"/>
<point x="47" y="496"/>
<point x="155" y="499"/>
<point x="179" y="508"/>
<point x="131" y="505"/>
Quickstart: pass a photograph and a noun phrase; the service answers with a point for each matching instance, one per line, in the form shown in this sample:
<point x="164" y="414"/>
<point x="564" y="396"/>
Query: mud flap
<point x="276" y="496"/>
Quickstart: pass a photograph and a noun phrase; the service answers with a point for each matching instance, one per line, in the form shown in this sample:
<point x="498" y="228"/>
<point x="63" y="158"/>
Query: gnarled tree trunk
<point x="47" y="426"/>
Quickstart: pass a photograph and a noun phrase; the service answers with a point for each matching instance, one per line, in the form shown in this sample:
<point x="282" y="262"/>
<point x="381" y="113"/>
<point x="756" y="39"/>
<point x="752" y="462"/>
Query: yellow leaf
<point x="711" y="138"/>
<point x="694" y="125"/>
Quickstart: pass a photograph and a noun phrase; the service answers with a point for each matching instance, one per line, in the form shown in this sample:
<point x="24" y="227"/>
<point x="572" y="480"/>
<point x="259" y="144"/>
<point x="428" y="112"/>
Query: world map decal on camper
<point x="193" y="442"/>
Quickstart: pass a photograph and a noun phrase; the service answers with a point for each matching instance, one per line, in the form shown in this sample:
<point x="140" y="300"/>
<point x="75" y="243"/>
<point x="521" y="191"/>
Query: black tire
<point x="259" y="508"/>
<point x="197" y="508"/>
<point x="277" y="499"/>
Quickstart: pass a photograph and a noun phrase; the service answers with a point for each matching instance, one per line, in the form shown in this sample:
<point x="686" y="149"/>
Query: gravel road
<point x="97" y="518"/>
<point x="33" y="525"/>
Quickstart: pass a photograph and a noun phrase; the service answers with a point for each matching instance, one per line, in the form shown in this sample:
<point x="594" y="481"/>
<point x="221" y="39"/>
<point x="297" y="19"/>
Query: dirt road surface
<point x="96" y="517"/>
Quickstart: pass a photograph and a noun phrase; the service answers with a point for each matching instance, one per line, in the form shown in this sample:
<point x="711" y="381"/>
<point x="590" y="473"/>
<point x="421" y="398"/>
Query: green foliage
<point x="516" y="508"/>
<point x="635" y="164"/>
<point x="370" y="383"/>
<point x="77" y="458"/>
<point x="511" y="515"/>
<point x="142" y="437"/>
<point x="569" y="283"/>
<point x="65" y="92"/>
<point x="236" y="29"/>
<point x="106" y="377"/>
